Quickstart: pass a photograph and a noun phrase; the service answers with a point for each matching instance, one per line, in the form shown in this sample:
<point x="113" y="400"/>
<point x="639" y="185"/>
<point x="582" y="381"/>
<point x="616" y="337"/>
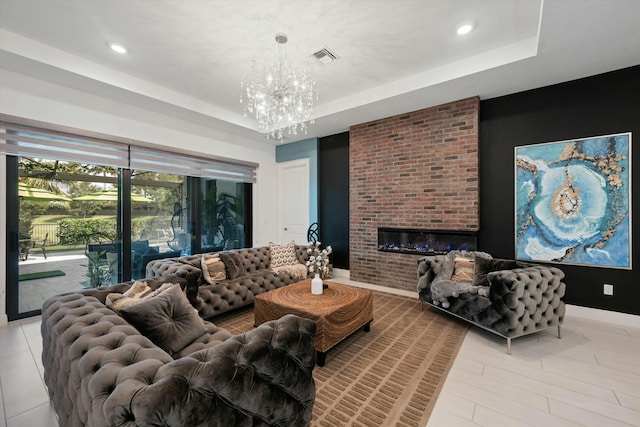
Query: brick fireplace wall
<point x="414" y="170"/>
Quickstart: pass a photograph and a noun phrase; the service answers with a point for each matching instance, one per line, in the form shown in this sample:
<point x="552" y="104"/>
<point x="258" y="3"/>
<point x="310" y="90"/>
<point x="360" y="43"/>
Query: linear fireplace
<point x="425" y="242"/>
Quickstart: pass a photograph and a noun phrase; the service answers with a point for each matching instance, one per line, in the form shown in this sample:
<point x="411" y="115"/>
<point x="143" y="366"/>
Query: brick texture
<point x="414" y="170"/>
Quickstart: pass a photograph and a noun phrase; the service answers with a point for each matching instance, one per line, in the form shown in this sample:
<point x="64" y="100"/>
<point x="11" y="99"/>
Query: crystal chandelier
<point x="280" y="96"/>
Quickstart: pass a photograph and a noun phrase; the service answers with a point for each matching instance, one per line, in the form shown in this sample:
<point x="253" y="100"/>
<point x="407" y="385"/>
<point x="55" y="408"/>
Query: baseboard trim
<point x="342" y="276"/>
<point x="606" y="316"/>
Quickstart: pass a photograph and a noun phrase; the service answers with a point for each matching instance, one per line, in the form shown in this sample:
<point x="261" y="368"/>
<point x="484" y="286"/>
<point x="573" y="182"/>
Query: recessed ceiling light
<point x="118" y="48"/>
<point x="464" y="29"/>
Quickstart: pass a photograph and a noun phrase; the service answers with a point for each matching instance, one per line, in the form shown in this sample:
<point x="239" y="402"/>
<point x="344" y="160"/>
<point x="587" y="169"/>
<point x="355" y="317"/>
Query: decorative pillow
<point x="138" y="292"/>
<point x="233" y="264"/>
<point x="463" y="270"/>
<point x="166" y="319"/>
<point x="298" y="271"/>
<point x="117" y="301"/>
<point x="283" y="254"/>
<point x="484" y="266"/>
<point x="213" y="269"/>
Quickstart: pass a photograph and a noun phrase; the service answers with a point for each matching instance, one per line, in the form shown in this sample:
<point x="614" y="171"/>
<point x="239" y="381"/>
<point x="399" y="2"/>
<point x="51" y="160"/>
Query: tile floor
<point x="590" y="377"/>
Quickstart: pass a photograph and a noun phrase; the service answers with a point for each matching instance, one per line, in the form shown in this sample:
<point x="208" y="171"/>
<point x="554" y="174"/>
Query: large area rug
<point x="390" y="376"/>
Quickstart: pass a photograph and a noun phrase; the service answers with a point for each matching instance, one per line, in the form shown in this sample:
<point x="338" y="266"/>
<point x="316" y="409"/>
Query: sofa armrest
<point x="262" y="377"/>
<point x="527" y="299"/>
<point x="169" y="267"/>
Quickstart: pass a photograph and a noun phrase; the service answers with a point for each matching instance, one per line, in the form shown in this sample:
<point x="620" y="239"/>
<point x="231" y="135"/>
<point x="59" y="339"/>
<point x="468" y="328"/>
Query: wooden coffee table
<point x="338" y="312"/>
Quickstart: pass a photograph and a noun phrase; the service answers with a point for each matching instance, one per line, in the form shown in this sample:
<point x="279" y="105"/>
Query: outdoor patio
<point x="32" y="293"/>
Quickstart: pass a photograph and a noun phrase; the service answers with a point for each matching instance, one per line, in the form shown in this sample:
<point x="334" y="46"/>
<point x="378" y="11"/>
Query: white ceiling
<point x="186" y="57"/>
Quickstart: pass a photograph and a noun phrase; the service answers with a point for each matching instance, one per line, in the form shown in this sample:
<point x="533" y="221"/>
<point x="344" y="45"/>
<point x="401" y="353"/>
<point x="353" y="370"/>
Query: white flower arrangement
<point x="318" y="262"/>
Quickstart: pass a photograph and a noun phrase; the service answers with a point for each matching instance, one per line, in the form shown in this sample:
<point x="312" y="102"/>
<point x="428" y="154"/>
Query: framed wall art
<point x="573" y="201"/>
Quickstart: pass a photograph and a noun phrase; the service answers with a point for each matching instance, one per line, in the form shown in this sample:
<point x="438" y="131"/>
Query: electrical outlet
<point x="608" y="289"/>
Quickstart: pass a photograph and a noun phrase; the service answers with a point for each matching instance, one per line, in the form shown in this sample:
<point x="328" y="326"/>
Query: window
<point x="117" y="204"/>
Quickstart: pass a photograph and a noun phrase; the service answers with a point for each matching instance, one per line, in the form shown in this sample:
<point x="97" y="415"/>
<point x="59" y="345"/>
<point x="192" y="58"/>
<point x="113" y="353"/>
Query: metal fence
<point x="160" y="232"/>
<point x="50" y="231"/>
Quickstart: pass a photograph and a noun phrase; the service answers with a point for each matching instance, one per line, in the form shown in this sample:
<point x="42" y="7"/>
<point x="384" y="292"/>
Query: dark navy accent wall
<point x="333" y="196"/>
<point x="599" y="105"/>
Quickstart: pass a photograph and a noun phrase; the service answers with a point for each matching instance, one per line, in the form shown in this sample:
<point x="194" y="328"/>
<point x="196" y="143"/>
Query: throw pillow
<point x="137" y="289"/>
<point x="138" y="292"/>
<point x="283" y="254"/>
<point x="484" y="266"/>
<point x="297" y="272"/>
<point x="166" y="319"/>
<point x="117" y="301"/>
<point x="463" y="270"/>
<point x="213" y="269"/>
<point x="233" y="264"/>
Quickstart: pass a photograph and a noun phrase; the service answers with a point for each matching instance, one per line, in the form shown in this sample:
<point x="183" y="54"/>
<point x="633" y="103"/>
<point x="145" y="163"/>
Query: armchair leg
<point x="509" y="346"/>
<point x="559" y="333"/>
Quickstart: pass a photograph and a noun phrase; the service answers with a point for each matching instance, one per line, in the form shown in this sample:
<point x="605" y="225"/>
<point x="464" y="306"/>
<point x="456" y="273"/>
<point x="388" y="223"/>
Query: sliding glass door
<point x="64" y="229"/>
<point x="224" y="215"/>
<point x="73" y="224"/>
<point x="161" y="220"/>
<point x="87" y="210"/>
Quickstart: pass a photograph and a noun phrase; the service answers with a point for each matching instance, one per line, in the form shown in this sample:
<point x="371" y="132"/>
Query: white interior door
<point x="293" y="201"/>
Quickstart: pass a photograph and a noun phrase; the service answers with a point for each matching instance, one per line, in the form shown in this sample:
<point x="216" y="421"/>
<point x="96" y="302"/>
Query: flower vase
<point x="316" y="285"/>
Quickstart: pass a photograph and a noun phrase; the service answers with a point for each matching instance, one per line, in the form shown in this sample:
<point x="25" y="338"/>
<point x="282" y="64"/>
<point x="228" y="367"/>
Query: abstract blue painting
<point x="573" y="201"/>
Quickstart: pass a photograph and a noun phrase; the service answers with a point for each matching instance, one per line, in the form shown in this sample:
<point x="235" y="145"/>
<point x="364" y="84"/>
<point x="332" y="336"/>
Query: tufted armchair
<point x="509" y="298"/>
<point x="250" y="277"/>
<point x="101" y="371"/>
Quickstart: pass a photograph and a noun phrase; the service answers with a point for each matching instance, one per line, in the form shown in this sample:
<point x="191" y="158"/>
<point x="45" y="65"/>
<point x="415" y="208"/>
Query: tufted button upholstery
<point x="179" y="266"/>
<point x="255" y="278"/>
<point x="519" y="301"/>
<point x="100" y="371"/>
<point x="527" y="299"/>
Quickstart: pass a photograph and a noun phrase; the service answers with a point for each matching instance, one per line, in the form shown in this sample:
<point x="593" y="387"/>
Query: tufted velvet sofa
<point x="512" y="303"/>
<point x="100" y="371"/>
<point x="254" y="278"/>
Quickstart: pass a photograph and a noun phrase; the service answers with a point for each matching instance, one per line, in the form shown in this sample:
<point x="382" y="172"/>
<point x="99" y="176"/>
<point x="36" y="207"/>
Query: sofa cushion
<point x="167" y="319"/>
<point x="283" y="254"/>
<point x="213" y="269"/>
<point x="233" y="264"/>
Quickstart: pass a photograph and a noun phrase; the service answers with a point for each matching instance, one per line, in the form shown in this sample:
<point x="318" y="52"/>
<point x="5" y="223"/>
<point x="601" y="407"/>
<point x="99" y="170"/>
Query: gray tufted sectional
<point x="253" y="278"/>
<point x="100" y="371"/>
<point x="516" y="302"/>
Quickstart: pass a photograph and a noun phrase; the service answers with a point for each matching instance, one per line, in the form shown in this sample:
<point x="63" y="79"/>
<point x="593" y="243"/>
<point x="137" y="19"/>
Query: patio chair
<point x="43" y="245"/>
<point x="25" y="247"/>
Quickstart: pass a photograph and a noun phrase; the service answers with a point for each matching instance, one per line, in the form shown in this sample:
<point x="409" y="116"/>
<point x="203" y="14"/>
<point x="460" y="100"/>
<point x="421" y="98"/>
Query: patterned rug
<point x="390" y="376"/>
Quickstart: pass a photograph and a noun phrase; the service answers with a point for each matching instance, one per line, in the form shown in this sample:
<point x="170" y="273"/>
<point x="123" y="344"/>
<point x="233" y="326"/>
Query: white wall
<point x="39" y="100"/>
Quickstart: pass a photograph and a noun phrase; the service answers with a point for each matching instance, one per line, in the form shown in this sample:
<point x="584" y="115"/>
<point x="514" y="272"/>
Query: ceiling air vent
<point x="324" y="56"/>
